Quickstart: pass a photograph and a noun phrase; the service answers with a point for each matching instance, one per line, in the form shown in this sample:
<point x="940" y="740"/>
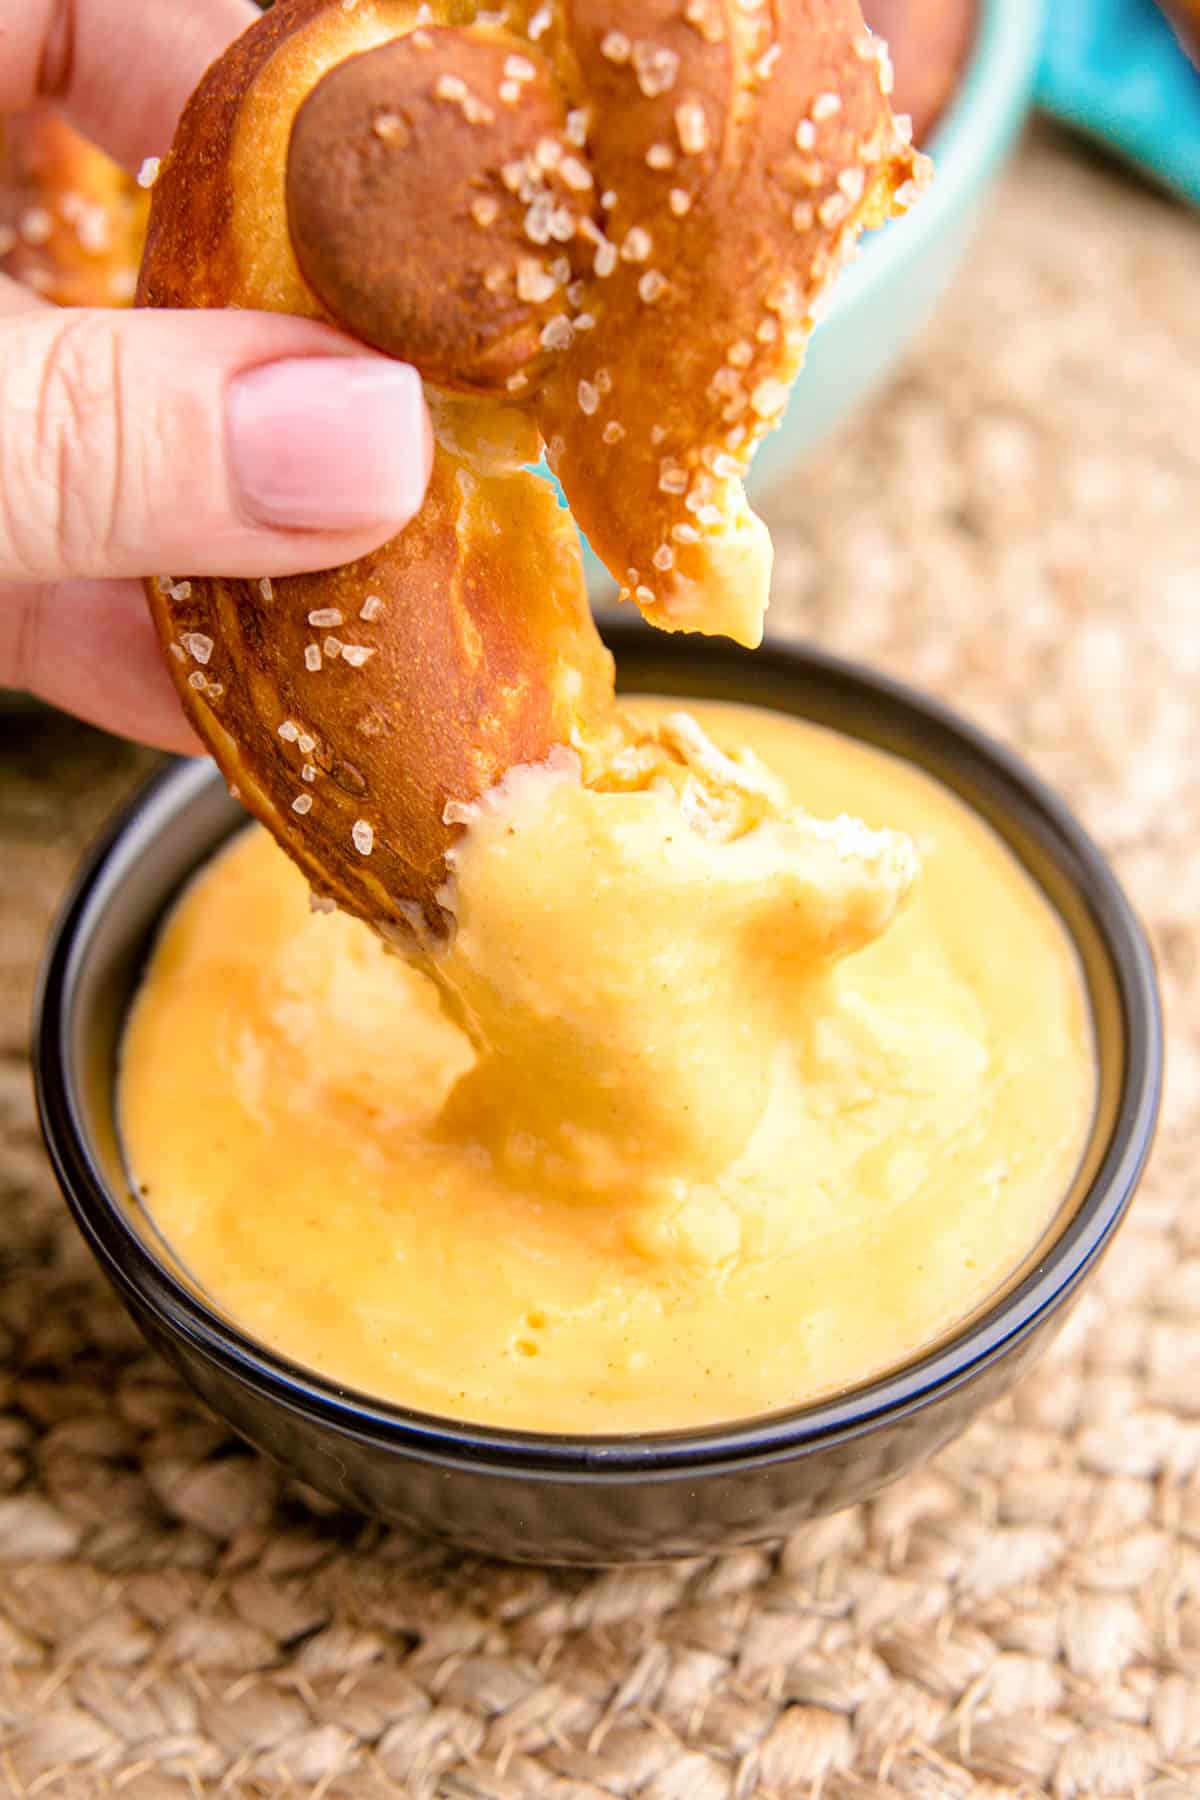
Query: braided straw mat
<point x="1015" y="526"/>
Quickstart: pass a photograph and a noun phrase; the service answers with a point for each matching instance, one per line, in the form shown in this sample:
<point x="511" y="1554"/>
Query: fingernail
<point x="329" y="443"/>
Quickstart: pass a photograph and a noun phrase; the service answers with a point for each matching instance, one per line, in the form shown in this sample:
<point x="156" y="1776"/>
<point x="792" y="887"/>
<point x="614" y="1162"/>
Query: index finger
<point x="121" y="69"/>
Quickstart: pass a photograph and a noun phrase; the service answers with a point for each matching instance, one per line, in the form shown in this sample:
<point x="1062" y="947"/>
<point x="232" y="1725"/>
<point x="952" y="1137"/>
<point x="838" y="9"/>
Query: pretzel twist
<point x="71" y="221"/>
<point x="601" y="226"/>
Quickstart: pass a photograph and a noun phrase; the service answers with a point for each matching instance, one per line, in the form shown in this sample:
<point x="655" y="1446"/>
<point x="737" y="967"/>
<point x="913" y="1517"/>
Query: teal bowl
<point x="883" y="299"/>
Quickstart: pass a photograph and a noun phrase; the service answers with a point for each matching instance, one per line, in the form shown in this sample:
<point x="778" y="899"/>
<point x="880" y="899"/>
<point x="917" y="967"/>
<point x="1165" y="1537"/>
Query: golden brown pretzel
<point x="601" y="224"/>
<point x="71" y="221"/>
<point x="930" y="41"/>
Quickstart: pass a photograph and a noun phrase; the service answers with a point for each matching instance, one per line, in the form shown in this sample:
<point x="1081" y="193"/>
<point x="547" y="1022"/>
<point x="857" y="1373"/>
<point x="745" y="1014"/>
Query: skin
<point x="89" y="400"/>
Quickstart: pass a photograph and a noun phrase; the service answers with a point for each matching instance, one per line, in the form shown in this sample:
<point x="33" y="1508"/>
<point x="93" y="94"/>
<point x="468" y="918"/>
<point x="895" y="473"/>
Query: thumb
<point x="216" y="443"/>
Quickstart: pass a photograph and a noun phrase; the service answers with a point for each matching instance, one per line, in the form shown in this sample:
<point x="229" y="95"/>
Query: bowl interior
<point x="107" y="929"/>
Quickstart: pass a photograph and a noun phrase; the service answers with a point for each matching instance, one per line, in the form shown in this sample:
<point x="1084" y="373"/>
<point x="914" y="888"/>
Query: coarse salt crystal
<point x="363" y="835"/>
<point x="768" y="397"/>
<point x="148" y="173"/>
<point x="325" y="617"/>
<point x="534" y="282"/>
<point x="198" y="647"/>
<point x="556" y="334"/>
<point x="576" y="175"/>
<point x="371" y="608"/>
<point x="656" y="68"/>
<point x="833" y="209"/>
<point x="691" y="126"/>
<point x="312" y="657"/>
<point x="356" y="654"/>
<point x="302" y="804"/>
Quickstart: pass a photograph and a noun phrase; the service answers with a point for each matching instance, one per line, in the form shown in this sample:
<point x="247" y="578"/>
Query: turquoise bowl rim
<point x="983" y="117"/>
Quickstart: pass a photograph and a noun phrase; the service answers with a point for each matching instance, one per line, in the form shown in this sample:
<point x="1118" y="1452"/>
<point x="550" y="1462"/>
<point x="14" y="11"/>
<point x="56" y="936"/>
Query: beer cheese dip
<point x="698" y="1118"/>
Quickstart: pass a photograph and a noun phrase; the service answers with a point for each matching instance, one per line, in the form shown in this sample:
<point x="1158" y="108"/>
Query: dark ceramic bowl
<point x="550" y="1498"/>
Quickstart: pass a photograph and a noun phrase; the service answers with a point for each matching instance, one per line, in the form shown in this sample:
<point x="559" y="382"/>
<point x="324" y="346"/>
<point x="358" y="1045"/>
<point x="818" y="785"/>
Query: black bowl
<point x="549" y="1498"/>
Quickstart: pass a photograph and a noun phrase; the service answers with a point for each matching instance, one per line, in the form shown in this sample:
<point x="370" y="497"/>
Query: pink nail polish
<point x="329" y="443"/>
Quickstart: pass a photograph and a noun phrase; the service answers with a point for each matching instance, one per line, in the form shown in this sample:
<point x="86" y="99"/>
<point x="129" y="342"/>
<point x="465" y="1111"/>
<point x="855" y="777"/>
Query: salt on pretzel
<point x="600" y="226"/>
<point x="930" y="41"/>
<point x="72" y="222"/>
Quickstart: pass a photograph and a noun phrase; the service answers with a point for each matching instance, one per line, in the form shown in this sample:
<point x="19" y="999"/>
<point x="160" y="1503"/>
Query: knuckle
<point x="61" y="468"/>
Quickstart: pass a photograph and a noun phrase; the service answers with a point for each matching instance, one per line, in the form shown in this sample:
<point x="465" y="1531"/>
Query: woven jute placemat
<point x="1016" y="527"/>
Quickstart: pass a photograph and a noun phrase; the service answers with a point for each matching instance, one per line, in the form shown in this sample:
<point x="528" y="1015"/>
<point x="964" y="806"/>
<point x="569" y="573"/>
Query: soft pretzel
<point x="930" y="41"/>
<point x="601" y="226"/>
<point x="72" y="222"/>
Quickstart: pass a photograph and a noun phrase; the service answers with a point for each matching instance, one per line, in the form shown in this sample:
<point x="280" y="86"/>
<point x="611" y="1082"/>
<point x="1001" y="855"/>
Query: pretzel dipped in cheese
<point x="72" y="221"/>
<point x="601" y="227"/>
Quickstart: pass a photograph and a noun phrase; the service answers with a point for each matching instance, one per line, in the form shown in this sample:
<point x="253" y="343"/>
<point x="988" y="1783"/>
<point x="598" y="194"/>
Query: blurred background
<point x="987" y="485"/>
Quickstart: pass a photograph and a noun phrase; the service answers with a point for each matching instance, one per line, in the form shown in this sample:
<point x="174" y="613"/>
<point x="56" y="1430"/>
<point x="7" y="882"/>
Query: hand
<point x="167" y="443"/>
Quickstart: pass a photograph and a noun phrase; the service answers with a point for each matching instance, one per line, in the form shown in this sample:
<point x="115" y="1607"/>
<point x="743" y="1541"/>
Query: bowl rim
<point x="993" y="92"/>
<point x="782" y="1435"/>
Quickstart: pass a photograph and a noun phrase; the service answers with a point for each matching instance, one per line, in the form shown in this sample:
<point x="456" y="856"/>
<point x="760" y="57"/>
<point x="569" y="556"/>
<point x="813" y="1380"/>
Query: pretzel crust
<point x="71" y="221"/>
<point x="350" y="708"/>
